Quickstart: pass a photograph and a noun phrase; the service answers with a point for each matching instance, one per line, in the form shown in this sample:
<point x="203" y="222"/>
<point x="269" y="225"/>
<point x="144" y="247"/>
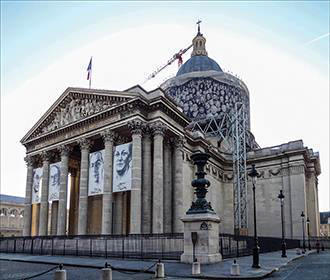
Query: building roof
<point x="324" y="217"/>
<point x="11" y="199"/>
<point x="199" y="63"/>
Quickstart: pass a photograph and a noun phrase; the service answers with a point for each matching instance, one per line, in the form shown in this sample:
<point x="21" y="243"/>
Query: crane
<point x="177" y="56"/>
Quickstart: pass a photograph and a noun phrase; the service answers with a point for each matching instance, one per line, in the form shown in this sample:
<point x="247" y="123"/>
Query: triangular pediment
<point x="74" y="105"/>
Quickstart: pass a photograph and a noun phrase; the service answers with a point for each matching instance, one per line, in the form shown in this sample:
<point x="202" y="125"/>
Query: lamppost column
<point x="281" y="197"/>
<point x="63" y="195"/>
<point x="28" y="196"/>
<point x="308" y="234"/>
<point x="85" y="146"/>
<point x="253" y="174"/>
<point x="303" y="230"/>
<point x="43" y="224"/>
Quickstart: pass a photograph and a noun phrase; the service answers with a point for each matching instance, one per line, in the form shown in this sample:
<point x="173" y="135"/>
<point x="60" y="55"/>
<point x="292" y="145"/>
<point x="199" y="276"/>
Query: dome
<point x="198" y="63"/>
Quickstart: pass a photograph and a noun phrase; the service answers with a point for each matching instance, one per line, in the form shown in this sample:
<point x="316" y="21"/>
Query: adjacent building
<point x="11" y="215"/>
<point x="325" y="224"/>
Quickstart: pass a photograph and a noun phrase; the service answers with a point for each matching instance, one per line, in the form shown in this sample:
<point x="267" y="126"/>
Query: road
<point x="313" y="267"/>
<point x="11" y="270"/>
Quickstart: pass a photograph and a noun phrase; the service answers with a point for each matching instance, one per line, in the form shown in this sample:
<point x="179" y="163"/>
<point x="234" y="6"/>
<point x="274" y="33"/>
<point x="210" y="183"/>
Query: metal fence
<point x="141" y="246"/>
<point x="320" y="242"/>
<point x="144" y="246"/>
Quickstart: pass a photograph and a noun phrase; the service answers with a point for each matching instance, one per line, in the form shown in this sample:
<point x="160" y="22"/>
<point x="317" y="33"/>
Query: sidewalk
<point x="269" y="262"/>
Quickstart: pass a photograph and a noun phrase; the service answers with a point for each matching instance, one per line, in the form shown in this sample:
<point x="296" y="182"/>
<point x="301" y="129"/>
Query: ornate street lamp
<point x="303" y="230"/>
<point x="281" y="197"/>
<point x="200" y="184"/>
<point x="253" y="174"/>
<point x="309" y="241"/>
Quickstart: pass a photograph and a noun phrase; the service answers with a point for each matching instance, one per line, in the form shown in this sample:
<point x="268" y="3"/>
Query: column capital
<point x="109" y="135"/>
<point x="64" y="150"/>
<point x="136" y="126"/>
<point x="158" y="128"/>
<point x="85" y="144"/>
<point x="46" y="155"/>
<point x="178" y="142"/>
<point x="29" y="160"/>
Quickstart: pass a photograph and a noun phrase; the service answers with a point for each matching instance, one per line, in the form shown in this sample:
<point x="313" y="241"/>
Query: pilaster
<point x="147" y="182"/>
<point x="167" y="187"/>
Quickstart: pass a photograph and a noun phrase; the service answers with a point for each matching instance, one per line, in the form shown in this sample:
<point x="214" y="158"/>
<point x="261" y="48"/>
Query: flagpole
<point x="90" y="79"/>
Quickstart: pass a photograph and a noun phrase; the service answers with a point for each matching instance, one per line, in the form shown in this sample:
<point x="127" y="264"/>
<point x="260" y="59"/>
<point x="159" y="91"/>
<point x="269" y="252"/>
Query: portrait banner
<point x="54" y="181"/>
<point x="96" y="173"/>
<point x="122" y="169"/>
<point x="36" y="185"/>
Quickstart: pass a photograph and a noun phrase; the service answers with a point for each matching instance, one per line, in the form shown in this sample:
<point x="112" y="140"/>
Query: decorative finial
<point x="199" y="28"/>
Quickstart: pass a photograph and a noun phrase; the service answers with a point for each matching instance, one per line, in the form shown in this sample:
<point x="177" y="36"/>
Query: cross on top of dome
<point x="199" y="28"/>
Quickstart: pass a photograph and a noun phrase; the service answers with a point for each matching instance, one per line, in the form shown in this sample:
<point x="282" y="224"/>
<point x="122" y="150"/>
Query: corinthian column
<point x="43" y="223"/>
<point x="147" y="182"/>
<point x="28" y="197"/>
<point x="135" y="217"/>
<point x="178" y="186"/>
<point x="85" y="146"/>
<point x="63" y="195"/>
<point x="108" y="138"/>
<point x="158" y="179"/>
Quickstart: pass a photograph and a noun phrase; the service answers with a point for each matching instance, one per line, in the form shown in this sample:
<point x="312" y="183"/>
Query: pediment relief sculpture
<point x="76" y="107"/>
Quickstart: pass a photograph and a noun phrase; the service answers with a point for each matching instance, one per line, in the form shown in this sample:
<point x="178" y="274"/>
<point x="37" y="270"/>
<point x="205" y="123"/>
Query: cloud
<point x="317" y="39"/>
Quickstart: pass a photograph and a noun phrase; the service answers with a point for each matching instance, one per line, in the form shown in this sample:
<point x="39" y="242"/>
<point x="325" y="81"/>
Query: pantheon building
<point x="118" y="162"/>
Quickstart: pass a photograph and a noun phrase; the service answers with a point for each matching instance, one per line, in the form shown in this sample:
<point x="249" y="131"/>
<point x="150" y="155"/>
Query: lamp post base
<point x="256" y="257"/>
<point x="283" y="250"/>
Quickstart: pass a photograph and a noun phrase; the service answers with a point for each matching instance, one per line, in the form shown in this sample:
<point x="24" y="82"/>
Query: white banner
<point x="36" y="185"/>
<point x="96" y="173"/>
<point x="54" y="181"/>
<point x="122" y="169"/>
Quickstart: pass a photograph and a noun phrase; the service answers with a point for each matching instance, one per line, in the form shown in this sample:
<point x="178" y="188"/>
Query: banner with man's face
<point x="96" y="173"/>
<point x="36" y="185"/>
<point x="54" y="181"/>
<point x="122" y="169"/>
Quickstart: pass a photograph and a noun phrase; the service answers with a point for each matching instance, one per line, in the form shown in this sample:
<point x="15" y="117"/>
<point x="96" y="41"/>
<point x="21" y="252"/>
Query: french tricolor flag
<point x="89" y="70"/>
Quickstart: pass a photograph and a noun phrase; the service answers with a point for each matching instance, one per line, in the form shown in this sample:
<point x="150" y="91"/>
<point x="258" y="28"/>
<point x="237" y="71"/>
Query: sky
<point x="279" y="49"/>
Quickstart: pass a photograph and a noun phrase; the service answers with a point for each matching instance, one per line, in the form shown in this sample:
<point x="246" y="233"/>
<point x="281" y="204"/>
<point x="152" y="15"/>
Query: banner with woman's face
<point x="96" y="173"/>
<point x="36" y="185"/>
<point x="54" y="181"/>
<point x="122" y="169"/>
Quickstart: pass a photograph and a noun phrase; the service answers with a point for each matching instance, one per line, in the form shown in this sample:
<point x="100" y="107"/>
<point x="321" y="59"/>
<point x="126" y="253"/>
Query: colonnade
<point x="156" y="195"/>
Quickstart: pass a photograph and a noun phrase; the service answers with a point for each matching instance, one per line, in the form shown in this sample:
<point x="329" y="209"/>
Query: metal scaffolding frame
<point x="230" y="128"/>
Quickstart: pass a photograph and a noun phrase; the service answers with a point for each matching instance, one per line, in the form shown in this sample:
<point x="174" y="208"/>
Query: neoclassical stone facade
<point x="85" y="128"/>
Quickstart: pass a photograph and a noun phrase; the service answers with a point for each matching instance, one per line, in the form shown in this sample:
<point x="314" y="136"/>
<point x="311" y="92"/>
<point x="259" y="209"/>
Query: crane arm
<point x="176" y="56"/>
